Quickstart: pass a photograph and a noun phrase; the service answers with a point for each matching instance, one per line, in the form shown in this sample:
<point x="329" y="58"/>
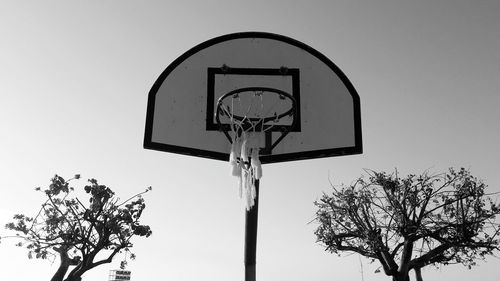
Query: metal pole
<point x="251" y="237"/>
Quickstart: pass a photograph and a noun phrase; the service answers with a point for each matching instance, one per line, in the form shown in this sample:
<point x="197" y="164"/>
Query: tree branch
<point x="426" y="258"/>
<point x="107" y="260"/>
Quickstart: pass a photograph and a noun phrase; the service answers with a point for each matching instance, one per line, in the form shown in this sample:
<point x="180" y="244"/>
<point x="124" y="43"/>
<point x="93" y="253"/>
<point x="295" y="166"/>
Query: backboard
<point x="182" y="114"/>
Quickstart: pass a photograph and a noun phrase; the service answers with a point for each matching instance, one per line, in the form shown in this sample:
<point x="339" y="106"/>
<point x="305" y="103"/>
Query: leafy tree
<point x="66" y="227"/>
<point x="410" y="222"/>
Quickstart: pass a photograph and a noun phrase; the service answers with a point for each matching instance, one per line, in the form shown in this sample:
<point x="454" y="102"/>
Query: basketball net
<point x="245" y="164"/>
<point x="248" y="120"/>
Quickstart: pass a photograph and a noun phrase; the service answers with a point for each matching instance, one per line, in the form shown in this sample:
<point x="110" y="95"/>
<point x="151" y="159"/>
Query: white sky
<point x="74" y="79"/>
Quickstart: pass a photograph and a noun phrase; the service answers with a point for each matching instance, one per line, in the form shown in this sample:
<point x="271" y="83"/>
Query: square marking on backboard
<point x="222" y="80"/>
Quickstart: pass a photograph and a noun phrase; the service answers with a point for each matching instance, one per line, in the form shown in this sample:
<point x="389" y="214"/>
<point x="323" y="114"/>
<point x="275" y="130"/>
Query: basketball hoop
<point x="266" y="93"/>
<point x="246" y="116"/>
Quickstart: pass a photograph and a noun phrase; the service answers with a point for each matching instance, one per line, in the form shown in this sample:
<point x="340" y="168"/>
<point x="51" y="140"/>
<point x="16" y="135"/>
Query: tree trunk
<point x="73" y="279"/>
<point x="401" y="277"/>
<point x="63" y="267"/>
<point x="61" y="271"/>
<point x="66" y="262"/>
<point x="418" y="273"/>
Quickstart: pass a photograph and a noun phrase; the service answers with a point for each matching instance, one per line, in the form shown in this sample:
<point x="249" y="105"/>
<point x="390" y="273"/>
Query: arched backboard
<point x="182" y="102"/>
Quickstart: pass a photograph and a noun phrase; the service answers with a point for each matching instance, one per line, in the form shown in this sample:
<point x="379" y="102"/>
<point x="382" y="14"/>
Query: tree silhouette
<point x="411" y="222"/>
<point x="66" y="227"/>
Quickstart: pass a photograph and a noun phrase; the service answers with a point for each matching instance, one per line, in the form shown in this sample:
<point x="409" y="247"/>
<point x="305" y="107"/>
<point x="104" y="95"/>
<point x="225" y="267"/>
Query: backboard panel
<point x="182" y="101"/>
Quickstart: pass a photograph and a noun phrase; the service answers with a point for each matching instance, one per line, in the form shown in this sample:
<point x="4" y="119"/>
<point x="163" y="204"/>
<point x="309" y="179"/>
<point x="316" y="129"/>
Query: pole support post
<point x="251" y="219"/>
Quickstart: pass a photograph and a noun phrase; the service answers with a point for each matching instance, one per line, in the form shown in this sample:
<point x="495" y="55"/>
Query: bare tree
<point x="76" y="232"/>
<point x="411" y="222"/>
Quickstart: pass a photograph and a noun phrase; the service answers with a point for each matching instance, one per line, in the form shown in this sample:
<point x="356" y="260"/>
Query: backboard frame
<point x="357" y="148"/>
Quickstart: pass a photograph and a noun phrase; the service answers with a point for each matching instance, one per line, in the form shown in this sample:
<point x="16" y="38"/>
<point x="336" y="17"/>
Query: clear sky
<point x="74" y="79"/>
